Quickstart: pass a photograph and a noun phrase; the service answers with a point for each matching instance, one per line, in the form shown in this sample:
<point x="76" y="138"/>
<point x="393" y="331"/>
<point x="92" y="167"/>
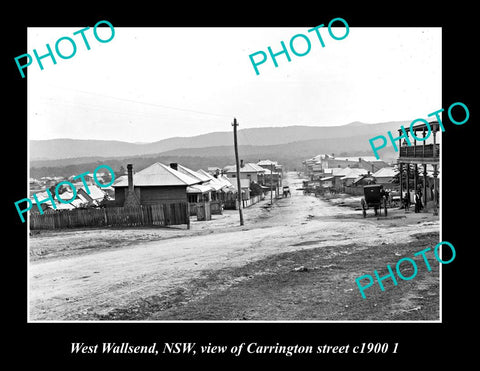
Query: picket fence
<point x="253" y="200"/>
<point x="145" y="215"/>
<point x="232" y="203"/>
<point x="216" y="207"/>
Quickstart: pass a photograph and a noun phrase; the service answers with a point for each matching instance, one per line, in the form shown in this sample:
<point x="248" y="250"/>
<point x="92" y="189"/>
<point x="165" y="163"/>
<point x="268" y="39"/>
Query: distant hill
<point x="287" y="145"/>
<point x="303" y="149"/>
<point x="351" y="137"/>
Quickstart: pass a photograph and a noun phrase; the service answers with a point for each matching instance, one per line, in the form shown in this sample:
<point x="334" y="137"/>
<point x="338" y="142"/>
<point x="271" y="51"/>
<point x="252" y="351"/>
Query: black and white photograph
<point x="162" y="226"/>
<point x="279" y="190"/>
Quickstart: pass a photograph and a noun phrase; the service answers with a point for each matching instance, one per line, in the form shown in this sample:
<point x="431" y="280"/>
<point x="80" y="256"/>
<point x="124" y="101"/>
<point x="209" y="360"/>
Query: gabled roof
<point x="193" y="174"/>
<point x="371" y="159"/>
<point x="268" y="171"/>
<point x="320" y="157"/>
<point x="249" y="167"/>
<point x="67" y="195"/>
<point x="205" y="173"/>
<point x="157" y="174"/>
<point x="349" y="173"/>
<point x="213" y="169"/>
<point x="244" y="183"/>
<point x="200" y="188"/>
<point x="352" y="159"/>
<point x="217" y="183"/>
<point x="340" y="171"/>
<point x="43" y="196"/>
<point x="267" y="163"/>
<point x="95" y="192"/>
<point x="223" y="179"/>
<point x="68" y="206"/>
<point x="385" y="172"/>
<point x="80" y="201"/>
<point x="366" y="177"/>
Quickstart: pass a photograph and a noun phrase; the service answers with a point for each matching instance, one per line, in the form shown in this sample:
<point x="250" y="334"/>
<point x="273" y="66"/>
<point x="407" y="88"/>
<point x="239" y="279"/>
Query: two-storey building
<point x="422" y="154"/>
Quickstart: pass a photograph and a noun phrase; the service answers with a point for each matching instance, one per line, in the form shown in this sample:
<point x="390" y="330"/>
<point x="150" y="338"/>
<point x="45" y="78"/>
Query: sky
<point x="149" y="84"/>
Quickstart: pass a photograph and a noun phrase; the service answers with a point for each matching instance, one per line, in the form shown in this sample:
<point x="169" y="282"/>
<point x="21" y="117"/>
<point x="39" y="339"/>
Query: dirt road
<point x="102" y="283"/>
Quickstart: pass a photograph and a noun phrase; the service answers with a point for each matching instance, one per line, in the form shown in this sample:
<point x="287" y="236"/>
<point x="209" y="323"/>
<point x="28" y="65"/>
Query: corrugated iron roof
<point x="350" y="173"/>
<point x="217" y="183"/>
<point x="68" y="206"/>
<point x="249" y="167"/>
<point x="206" y="173"/>
<point x="385" y="172"/>
<point x="96" y="192"/>
<point x="267" y="163"/>
<point x="244" y="183"/>
<point x="157" y="174"/>
<point x="199" y="188"/>
<point x="192" y="173"/>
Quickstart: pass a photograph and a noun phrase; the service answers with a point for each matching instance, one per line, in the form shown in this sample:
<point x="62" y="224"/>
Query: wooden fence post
<point x="166" y="214"/>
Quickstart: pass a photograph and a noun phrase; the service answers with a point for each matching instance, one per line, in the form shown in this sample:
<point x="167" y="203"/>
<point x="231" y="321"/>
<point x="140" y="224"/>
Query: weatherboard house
<point x="158" y="183"/>
<point x="248" y="171"/>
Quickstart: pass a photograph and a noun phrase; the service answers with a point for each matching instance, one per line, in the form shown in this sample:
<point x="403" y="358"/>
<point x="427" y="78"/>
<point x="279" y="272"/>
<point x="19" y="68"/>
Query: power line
<point x="145" y="103"/>
<point x="106" y="109"/>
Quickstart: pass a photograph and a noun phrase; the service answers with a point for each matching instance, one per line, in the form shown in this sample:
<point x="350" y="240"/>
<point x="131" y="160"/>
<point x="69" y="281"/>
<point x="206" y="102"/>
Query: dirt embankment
<point x="316" y="284"/>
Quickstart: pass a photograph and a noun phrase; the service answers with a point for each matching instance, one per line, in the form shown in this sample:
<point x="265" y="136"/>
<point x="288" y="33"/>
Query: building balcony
<point x="428" y="153"/>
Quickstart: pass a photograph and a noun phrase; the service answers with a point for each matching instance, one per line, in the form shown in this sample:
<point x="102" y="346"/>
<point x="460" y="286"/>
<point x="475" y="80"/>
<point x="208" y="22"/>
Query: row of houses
<point x="326" y="171"/>
<point x="164" y="184"/>
<point x="415" y="172"/>
<point x="352" y="180"/>
<point x="350" y="174"/>
<point x="318" y="166"/>
<point x="94" y="197"/>
<point x="46" y="182"/>
<point x="160" y="183"/>
<point x="265" y="173"/>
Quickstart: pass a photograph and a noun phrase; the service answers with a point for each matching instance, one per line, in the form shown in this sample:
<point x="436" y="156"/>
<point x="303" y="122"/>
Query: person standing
<point x="406" y="201"/>
<point x="417" y="202"/>
<point x="420" y="194"/>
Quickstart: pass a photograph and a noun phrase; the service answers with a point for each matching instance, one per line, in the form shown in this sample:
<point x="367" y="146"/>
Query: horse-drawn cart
<point x="374" y="196"/>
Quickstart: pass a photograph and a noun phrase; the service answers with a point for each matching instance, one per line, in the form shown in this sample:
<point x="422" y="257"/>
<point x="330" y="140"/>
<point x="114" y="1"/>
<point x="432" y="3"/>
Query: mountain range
<point x="305" y="141"/>
<point x="288" y="145"/>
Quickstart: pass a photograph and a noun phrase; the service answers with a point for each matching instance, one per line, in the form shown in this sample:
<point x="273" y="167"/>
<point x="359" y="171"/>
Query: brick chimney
<point x="241" y="163"/>
<point x="130" y="177"/>
<point x="174" y="165"/>
<point x="131" y="198"/>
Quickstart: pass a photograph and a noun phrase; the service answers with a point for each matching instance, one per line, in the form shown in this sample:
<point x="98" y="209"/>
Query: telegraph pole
<point x="239" y="193"/>
<point x="271" y="184"/>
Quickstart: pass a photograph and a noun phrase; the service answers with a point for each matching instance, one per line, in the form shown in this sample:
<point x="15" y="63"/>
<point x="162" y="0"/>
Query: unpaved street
<point x="90" y="284"/>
